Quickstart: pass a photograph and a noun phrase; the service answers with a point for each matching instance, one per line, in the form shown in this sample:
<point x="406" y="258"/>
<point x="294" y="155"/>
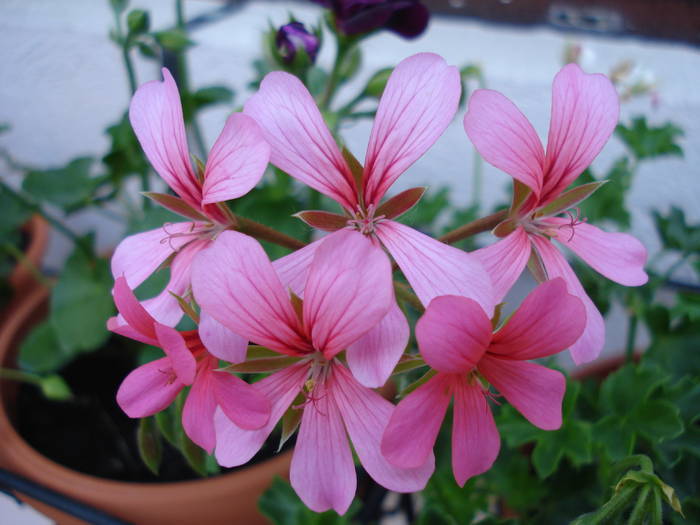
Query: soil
<point x="91" y="434"/>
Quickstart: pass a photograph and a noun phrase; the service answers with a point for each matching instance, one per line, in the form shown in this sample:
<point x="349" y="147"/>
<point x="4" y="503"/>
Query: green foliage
<point x="608" y="202"/>
<point x="650" y="141"/>
<point x="138" y="21"/>
<point x="150" y="444"/>
<point x="173" y="40"/>
<point x="69" y="187"/>
<point x="281" y="505"/>
<point x="676" y="233"/>
<point x="212" y="95"/>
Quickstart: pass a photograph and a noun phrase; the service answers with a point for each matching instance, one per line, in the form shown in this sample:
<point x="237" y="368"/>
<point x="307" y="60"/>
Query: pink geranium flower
<point x="419" y="101"/>
<point x="347" y="292"/>
<point x="585" y="111"/>
<point x="151" y="388"/>
<point x="455" y="339"/>
<point x="235" y="164"/>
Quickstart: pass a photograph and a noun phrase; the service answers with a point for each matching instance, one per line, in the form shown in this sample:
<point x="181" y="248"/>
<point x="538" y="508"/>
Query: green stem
<point x="343" y="46"/>
<point x="128" y="65"/>
<point x="472" y="228"/>
<point x="56" y="223"/>
<point x="260" y="231"/>
<point x="631" y="338"/>
<point x="22" y="259"/>
<point x="640" y="510"/>
<point x="19" y="375"/>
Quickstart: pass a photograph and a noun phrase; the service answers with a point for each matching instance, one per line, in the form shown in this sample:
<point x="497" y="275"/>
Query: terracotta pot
<point x="37" y="231"/>
<point x="227" y="499"/>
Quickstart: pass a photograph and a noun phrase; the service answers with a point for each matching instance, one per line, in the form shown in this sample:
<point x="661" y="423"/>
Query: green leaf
<point x="81" y="303"/>
<point x="650" y="141"/>
<point x="675" y="232"/>
<point x="54" y="387"/>
<point x="67" y="187"/>
<point x="173" y="40"/>
<point x="14" y="215"/>
<point x="282" y="506"/>
<point x="316" y="79"/>
<point x="211" y="95"/>
<point x="41" y="352"/>
<point x="146" y="50"/>
<point x="137" y="21"/>
<point x="608" y="202"/>
<point x="150" y="444"/>
<point x="616" y="438"/>
<point x="630" y="386"/>
<point x="377" y="82"/>
<point x="195" y="456"/>
<point x="168" y="425"/>
<point x="657" y="420"/>
<point x="351" y="64"/>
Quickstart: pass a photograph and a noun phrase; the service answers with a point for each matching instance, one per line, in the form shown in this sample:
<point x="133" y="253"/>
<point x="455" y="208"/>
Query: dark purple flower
<point x="408" y="18"/>
<point x="293" y="36"/>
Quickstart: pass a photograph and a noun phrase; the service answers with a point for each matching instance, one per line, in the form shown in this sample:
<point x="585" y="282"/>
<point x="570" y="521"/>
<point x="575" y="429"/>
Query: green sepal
<point x="571" y="198"/>
<point x="150" y="444"/>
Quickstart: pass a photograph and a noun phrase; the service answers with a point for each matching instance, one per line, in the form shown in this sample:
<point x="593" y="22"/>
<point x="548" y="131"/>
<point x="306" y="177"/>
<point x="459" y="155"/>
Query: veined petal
<point x="220" y="341"/>
<point x="148" y="389"/>
<point x="418" y="103"/>
<point x="132" y="312"/>
<point x="322" y="470"/>
<point x="366" y="414"/>
<point x="164" y="307"/>
<point x="200" y="405"/>
<point x="237" y="160"/>
<point x="242" y="403"/>
<point x="234" y="445"/>
<point x="453" y="333"/>
<point x="155" y="113"/>
<point x="234" y="282"/>
<point x="536" y="391"/>
<point x="139" y="255"/>
<point x="618" y="256"/>
<point x="475" y="438"/>
<point x="504" y="137"/>
<point x="548" y="321"/>
<point x="348" y="292"/>
<point x="504" y="261"/>
<point x="373" y="356"/>
<point x="182" y="361"/>
<point x="434" y="268"/>
<point x="118" y="325"/>
<point x="301" y="143"/>
<point x="410" y="436"/>
<point x="585" y="111"/>
<point x="590" y="344"/>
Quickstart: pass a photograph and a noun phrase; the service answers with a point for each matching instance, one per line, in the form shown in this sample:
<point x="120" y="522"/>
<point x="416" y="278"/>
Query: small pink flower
<point x="150" y="388"/>
<point x="455" y="338"/>
<point x="347" y="292"/>
<point x="418" y="103"/>
<point x="235" y="164"/>
<point x="585" y="110"/>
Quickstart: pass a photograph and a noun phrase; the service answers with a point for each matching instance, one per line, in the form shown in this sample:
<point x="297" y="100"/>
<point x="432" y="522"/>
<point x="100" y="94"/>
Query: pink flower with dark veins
<point x="235" y="164"/>
<point x="348" y="290"/>
<point x="455" y="338"/>
<point x="585" y="111"/>
<point x="418" y="103"/>
<point x="152" y="387"/>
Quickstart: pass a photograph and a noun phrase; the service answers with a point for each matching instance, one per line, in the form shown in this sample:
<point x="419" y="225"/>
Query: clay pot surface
<point x="226" y="499"/>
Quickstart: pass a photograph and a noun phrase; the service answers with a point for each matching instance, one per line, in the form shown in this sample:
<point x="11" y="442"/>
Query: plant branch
<point x="23" y="260"/>
<point x="262" y="232"/>
<point x="472" y="228"/>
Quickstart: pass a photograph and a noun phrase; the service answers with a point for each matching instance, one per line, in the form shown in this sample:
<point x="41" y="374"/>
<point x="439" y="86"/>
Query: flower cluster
<point x="324" y="321"/>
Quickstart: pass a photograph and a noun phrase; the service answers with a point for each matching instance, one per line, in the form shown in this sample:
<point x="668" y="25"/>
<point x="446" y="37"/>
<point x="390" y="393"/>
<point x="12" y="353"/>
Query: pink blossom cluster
<point x="324" y="321"/>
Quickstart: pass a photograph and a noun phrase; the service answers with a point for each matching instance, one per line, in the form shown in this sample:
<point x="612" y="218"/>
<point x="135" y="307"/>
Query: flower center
<point x="364" y="220"/>
<point x="176" y="240"/>
<point x="543" y="225"/>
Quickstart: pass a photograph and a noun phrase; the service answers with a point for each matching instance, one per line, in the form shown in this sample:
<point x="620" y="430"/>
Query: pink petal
<point x="200" y="405"/>
<point x="536" y="391"/>
<point x="301" y="143"/>
<point x="242" y="403"/>
<point x="366" y="414"/>
<point x="156" y="116"/>
<point x="618" y="256"/>
<point x="322" y="470"/>
<point x="234" y="282"/>
<point x="372" y="358"/>
<point x="182" y="361"/>
<point x="220" y="341"/>
<point x="548" y="321"/>
<point x="132" y="312"/>
<point x="118" y="325"/>
<point x="504" y="137"/>
<point x="434" y="268"/>
<point x="234" y="445"/>
<point x="237" y="160"/>
<point x="475" y="439"/>
<point x="139" y="255"/>
<point x="453" y="333"/>
<point x="348" y="292"/>
<point x="585" y="110"/>
<point x="148" y="389"/>
<point x="410" y="436"/>
<point x="418" y="104"/>
<point x="590" y="344"/>
<point x="164" y="307"/>
<point x="504" y="261"/>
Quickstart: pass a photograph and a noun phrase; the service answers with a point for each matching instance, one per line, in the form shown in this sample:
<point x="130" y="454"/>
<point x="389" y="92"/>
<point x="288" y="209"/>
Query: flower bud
<point x="293" y="37"/>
